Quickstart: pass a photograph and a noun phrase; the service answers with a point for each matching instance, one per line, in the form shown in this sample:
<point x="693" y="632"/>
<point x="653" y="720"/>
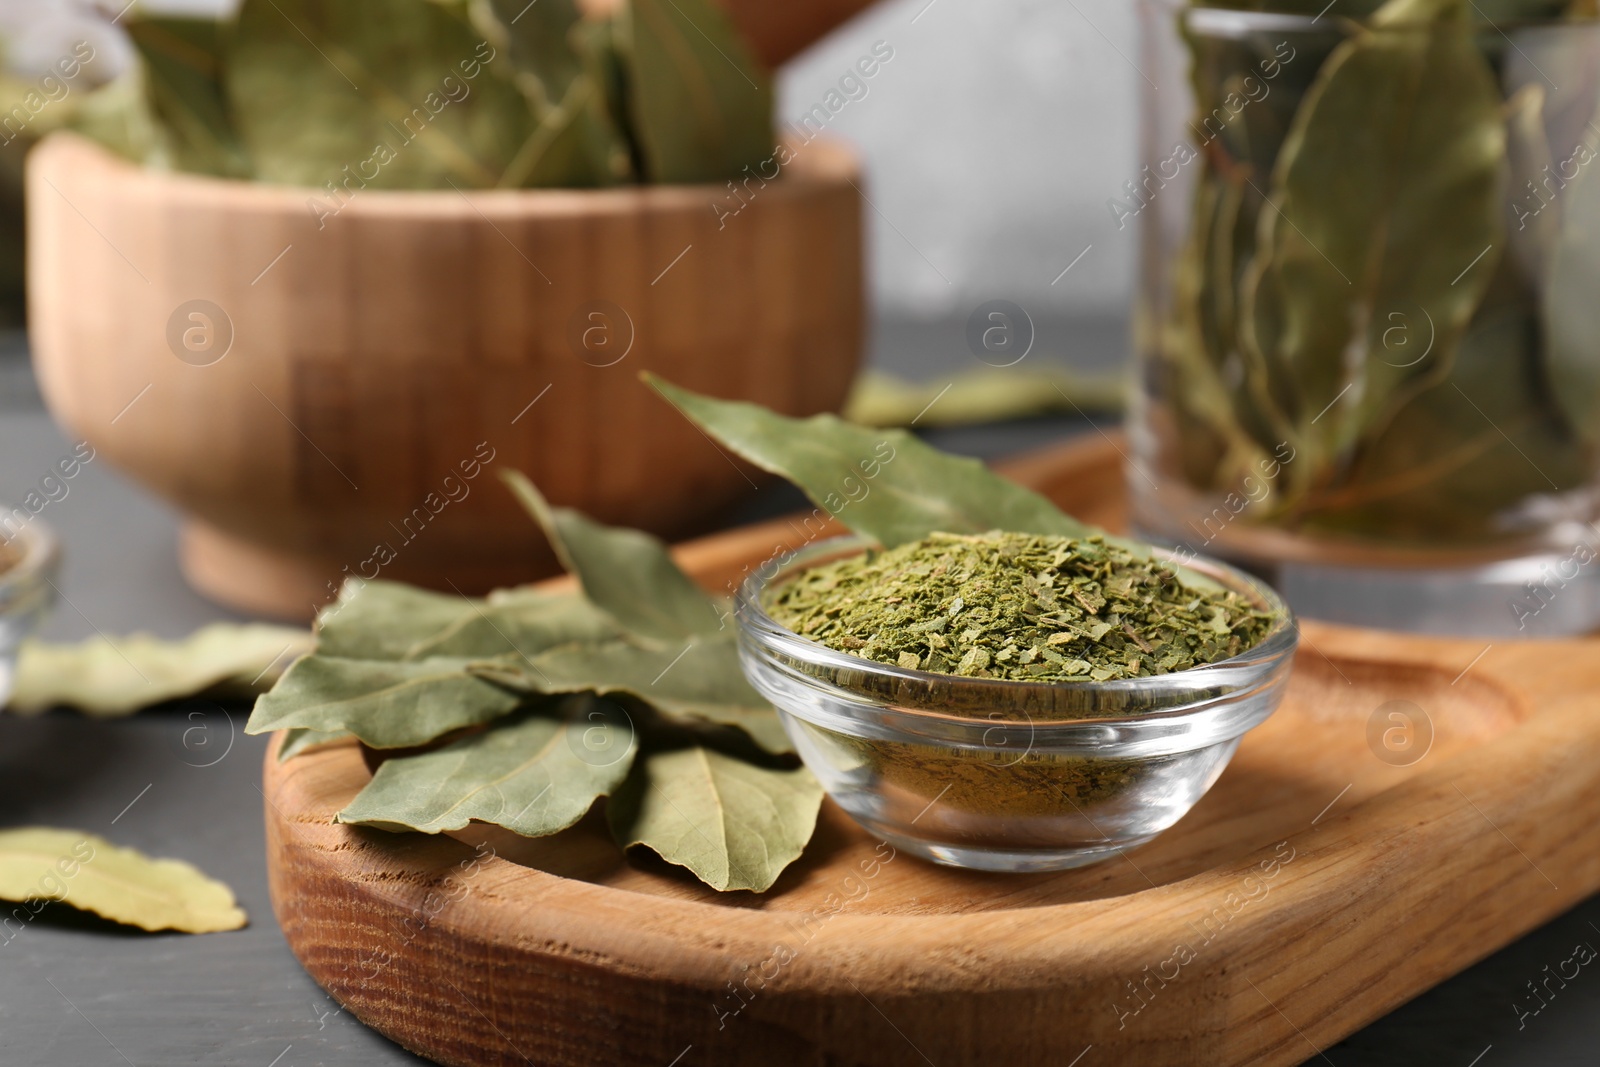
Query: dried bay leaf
<point x="700" y="104"/>
<point x="572" y="147"/>
<point x="574" y="143"/>
<point x="92" y="874"/>
<point x="117" y="116"/>
<point x="393" y="621"/>
<point x="538" y="34"/>
<point x="319" y="85"/>
<point x="1458" y="461"/>
<point x="846" y="470"/>
<point x="596" y="41"/>
<point x="628" y="573"/>
<point x="385" y="704"/>
<point x="1386" y="190"/>
<point x="105" y="677"/>
<point x="183" y="63"/>
<point x="885" y="485"/>
<point x="701" y="681"/>
<point x="385" y="620"/>
<point x="521" y="622"/>
<point x="1211" y="418"/>
<point x="733" y="824"/>
<point x="535" y="774"/>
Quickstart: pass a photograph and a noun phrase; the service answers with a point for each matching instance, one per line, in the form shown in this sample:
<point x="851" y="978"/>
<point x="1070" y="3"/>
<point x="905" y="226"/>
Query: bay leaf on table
<point x="698" y="682"/>
<point x="988" y="394"/>
<point x="386" y="704"/>
<point x="183" y="68"/>
<point x="111" y="677"/>
<point x="700" y="102"/>
<point x="733" y="824"/>
<point x="91" y="874"/>
<point x="883" y="484"/>
<point x="316" y="86"/>
<point x="535" y="774"/>
<point x="628" y="573"/>
<point x="1386" y="191"/>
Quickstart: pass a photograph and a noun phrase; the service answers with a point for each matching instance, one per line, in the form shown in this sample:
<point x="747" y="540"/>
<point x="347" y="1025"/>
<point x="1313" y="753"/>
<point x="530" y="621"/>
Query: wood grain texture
<point x="1387" y="880"/>
<point x="376" y="350"/>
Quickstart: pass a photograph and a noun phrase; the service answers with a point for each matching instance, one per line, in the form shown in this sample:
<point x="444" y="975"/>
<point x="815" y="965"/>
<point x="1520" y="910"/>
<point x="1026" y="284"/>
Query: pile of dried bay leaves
<point x="1391" y="267"/>
<point x="424" y="94"/>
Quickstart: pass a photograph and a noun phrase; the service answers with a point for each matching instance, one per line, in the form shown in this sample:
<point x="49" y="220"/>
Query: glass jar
<point x="1368" y="327"/>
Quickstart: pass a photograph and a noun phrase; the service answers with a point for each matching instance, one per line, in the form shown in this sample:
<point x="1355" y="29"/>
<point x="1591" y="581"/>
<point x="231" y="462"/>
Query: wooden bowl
<point x="326" y="384"/>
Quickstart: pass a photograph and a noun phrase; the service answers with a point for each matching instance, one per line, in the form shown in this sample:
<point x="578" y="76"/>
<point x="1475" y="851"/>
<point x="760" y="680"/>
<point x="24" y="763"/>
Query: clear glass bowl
<point x="29" y="559"/>
<point x="1002" y="775"/>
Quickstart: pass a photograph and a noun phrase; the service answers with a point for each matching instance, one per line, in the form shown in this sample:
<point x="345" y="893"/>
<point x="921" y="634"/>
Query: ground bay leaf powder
<point x="1021" y="607"/>
<point x="1018" y="607"/>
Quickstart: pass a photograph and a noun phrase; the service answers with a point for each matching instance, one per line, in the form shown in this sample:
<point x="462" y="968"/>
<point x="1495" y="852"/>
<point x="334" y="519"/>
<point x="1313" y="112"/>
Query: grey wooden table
<point x="82" y="993"/>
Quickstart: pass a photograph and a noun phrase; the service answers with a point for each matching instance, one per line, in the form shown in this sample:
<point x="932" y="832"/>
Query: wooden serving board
<point x="1316" y="887"/>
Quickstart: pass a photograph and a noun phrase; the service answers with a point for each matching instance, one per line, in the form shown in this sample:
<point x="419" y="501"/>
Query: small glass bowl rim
<point x="751" y="616"/>
<point x="40" y="548"/>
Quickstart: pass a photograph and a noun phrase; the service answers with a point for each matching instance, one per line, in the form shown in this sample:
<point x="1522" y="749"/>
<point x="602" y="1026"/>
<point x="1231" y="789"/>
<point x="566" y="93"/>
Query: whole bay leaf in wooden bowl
<point x="321" y="393"/>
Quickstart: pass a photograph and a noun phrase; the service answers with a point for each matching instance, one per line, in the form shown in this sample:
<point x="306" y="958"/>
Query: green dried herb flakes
<point x="1019" y="607"/>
